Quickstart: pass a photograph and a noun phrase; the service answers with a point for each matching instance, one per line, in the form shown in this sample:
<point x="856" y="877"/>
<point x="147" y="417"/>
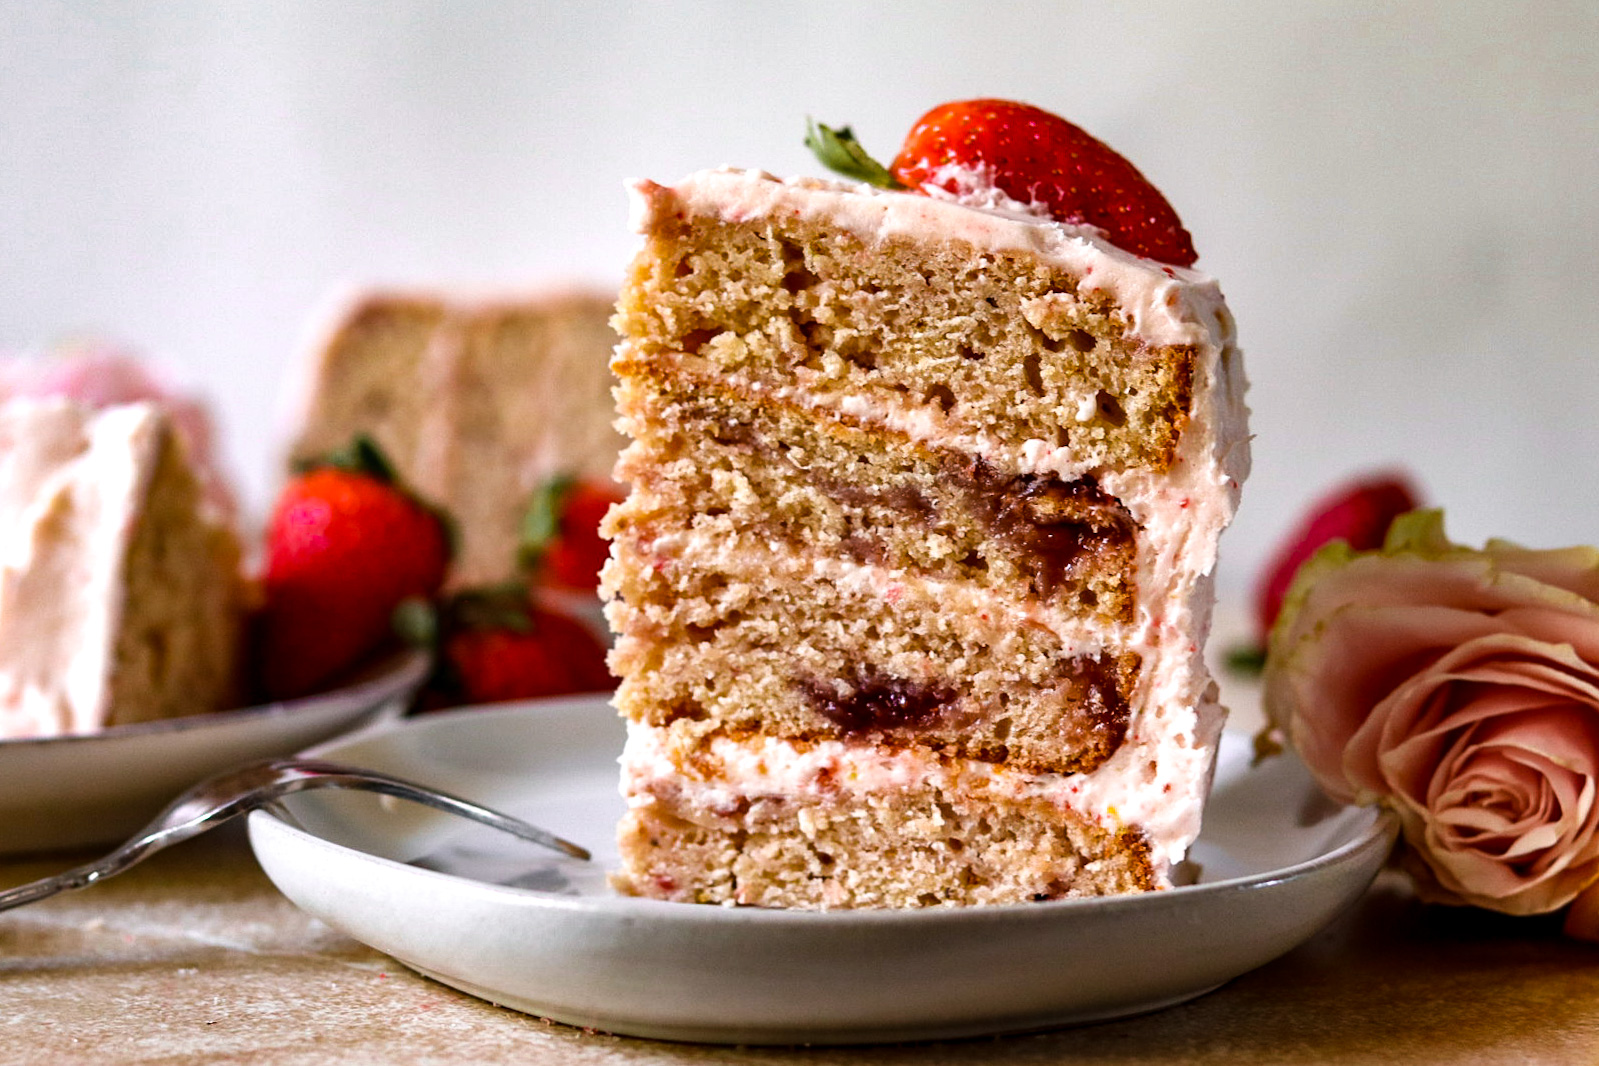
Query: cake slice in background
<point x="912" y="587"/>
<point x="120" y="591"/>
<point x="476" y="402"/>
<point x="99" y="374"/>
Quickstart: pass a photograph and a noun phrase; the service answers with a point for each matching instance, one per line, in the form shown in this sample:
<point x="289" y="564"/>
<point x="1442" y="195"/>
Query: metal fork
<point x="224" y="797"/>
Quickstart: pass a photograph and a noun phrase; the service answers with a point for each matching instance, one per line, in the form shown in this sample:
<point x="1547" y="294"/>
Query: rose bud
<point x="1358" y="513"/>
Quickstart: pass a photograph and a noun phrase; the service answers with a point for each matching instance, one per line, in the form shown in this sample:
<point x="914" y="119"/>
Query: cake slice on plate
<point x="912" y="587"/>
<point x="120" y="591"/>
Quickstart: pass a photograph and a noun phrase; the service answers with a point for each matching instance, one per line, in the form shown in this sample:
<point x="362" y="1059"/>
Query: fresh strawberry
<point x="346" y="545"/>
<point x="1032" y="157"/>
<point x="561" y="543"/>
<point x="498" y="645"/>
<point x="1359" y="512"/>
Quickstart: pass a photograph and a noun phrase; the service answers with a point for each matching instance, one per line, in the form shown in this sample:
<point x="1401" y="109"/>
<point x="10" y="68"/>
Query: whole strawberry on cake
<point x="928" y="471"/>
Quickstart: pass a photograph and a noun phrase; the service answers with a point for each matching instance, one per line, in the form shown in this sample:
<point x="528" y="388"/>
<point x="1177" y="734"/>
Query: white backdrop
<point x="1399" y="199"/>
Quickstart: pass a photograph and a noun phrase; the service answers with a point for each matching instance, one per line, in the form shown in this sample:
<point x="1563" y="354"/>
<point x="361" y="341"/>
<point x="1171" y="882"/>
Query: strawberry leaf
<point x="1246" y="659"/>
<point x="361" y="456"/>
<point x="502" y="606"/>
<point x="541" y="522"/>
<point x="841" y="153"/>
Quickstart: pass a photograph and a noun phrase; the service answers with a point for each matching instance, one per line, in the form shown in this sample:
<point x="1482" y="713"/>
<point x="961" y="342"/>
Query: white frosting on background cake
<point x="70" y="483"/>
<point x="77" y="491"/>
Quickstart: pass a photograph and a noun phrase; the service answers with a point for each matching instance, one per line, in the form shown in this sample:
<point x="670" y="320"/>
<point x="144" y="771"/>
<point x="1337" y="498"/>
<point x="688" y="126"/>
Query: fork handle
<point x="45" y="887"/>
<point x="195" y="812"/>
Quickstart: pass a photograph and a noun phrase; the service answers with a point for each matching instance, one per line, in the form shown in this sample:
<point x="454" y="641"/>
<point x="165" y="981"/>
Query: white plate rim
<point x="86" y="790"/>
<point x="1382" y="823"/>
<point x="390" y="675"/>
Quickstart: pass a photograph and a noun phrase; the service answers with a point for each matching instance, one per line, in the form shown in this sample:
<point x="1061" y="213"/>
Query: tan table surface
<point x="195" y="957"/>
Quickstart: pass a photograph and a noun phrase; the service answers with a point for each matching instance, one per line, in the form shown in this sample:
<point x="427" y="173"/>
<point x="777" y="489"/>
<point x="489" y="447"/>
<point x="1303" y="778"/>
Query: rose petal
<point x="1381" y="647"/>
<point x="1567" y="735"/>
<point x="1539" y="839"/>
<point x="1495" y="793"/>
<point x="1503" y="818"/>
<point x="1542" y="793"/>
<point x="1518" y="860"/>
<point x="1540" y="822"/>
<point x="1407" y="726"/>
<point x="1333" y="726"/>
<point x="1576" y="570"/>
<point x="1552" y="625"/>
<point x="1396" y="749"/>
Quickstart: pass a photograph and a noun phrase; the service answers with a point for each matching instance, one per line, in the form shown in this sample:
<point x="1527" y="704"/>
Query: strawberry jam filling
<point x="874" y="702"/>
<point x="865" y="701"/>
<point x="1060" y="534"/>
<point x="1057" y="526"/>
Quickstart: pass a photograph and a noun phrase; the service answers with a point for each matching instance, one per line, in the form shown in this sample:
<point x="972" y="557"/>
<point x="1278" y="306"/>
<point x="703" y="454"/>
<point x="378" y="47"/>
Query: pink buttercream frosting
<point x="99" y="375"/>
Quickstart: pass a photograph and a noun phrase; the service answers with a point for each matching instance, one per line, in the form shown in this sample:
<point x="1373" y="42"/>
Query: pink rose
<point x="1460" y="688"/>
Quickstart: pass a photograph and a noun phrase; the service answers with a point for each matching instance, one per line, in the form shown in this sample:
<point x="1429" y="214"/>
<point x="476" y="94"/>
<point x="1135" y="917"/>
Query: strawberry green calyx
<point x="560" y="542"/>
<point x="541" y="522"/>
<point x="502" y="606"/>
<point x="1246" y="659"/>
<point x="841" y="153"/>
<point x="361" y="456"/>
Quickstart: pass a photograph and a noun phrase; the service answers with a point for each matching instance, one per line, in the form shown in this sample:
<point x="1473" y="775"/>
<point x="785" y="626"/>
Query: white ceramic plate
<point x="98" y="788"/>
<point x="503" y="920"/>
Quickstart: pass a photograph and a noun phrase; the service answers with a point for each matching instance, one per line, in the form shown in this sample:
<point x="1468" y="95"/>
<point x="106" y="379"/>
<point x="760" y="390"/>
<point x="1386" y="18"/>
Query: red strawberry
<point x="561" y="542"/>
<point x="499" y="646"/>
<point x="1359" y="512"/>
<point x="1031" y="156"/>
<point x="345" y="547"/>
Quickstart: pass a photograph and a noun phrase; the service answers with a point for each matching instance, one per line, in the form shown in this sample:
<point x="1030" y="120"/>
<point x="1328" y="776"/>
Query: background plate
<point x="98" y="788"/>
<point x="541" y="933"/>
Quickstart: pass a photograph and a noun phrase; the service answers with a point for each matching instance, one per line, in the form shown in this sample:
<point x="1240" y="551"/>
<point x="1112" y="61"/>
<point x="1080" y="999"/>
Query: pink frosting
<point x="100" y="375"/>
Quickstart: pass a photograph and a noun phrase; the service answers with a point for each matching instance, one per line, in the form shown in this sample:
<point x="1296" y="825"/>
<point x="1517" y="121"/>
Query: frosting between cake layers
<point x="70" y="484"/>
<point x="740" y="555"/>
<point x="727" y="772"/>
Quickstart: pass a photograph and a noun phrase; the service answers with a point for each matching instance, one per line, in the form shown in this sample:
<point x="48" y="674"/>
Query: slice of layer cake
<point x="477" y="403"/>
<point x="120" y="592"/>
<point x="912" y="586"/>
